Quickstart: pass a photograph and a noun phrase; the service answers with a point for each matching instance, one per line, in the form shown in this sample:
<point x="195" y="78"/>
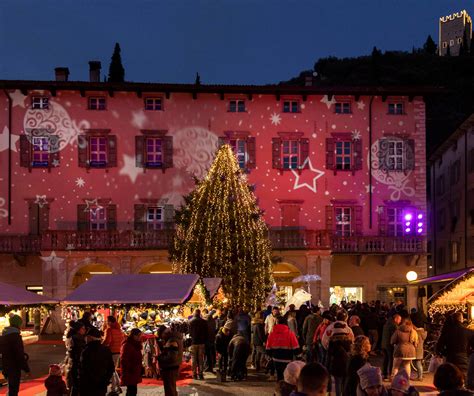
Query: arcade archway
<point x="156" y="268"/>
<point x="84" y="273"/>
<point x="284" y="273"/>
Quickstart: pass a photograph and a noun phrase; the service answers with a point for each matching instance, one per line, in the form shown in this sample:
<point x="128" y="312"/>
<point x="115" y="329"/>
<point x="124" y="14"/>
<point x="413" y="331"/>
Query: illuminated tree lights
<point x="220" y="233"/>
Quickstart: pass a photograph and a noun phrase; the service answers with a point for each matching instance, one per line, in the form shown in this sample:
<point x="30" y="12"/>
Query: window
<point x="290" y="154"/>
<point x="395" y="155"/>
<point x="239" y="148"/>
<point x="343" y="155"/>
<point x="454" y="252"/>
<point x="440" y="187"/>
<point x="237" y="106"/>
<point x="154" y="152"/>
<point x="291" y="106"/>
<point x="343" y="221"/>
<point x="451" y="43"/>
<point x="394" y="221"/>
<point x="455" y="172"/>
<point x="39" y="102"/>
<point x="395" y="108"/>
<point x="96" y="103"/>
<point x="98" y="151"/>
<point x="97" y="218"/>
<point x="155" y="218"/>
<point x="459" y="40"/>
<point x="40" y="151"/>
<point x="153" y="104"/>
<point x="343" y="107"/>
<point x="445" y="44"/>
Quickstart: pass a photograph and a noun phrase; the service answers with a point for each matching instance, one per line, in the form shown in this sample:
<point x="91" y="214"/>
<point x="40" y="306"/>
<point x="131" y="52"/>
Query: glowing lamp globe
<point x="411" y="276"/>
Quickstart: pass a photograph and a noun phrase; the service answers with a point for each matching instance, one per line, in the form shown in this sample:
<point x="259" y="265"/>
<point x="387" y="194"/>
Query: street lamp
<point x="411" y="276"/>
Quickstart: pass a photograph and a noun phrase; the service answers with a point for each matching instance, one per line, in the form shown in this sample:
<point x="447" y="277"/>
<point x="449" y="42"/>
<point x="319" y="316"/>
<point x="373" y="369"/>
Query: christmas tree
<point x="220" y="233"/>
<point x="116" y="70"/>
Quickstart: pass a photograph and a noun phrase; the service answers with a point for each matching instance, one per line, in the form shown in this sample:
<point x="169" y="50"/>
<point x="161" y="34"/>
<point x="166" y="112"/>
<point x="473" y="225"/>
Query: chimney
<point x="61" y="73"/>
<point x="94" y="71"/>
<point x="308" y="81"/>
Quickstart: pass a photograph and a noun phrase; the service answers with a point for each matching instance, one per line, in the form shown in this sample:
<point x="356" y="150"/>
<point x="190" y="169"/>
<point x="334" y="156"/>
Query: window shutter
<point x="82" y="147"/>
<point x="167" y="152"/>
<point x="33" y="219"/>
<point x="250" y="153"/>
<point x="357" y="220"/>
<point x="383" y="155"/>
<point x="139" y="151"/>
<point x="82" y="218"/>
<point x="25" y="152"/>
<point x="382" y="221"/>
<point x="329" y="218"/>
<point x="304" y="153"/>
<point x="43" y="218"/>
<point x="169" y="216"/>
<point x="276" y="153"/>
<point x="111" y="213"/>
<point x="357" y="154"/>
<point x="409" y="154"/>
<point x="112" y="151"/>
<point x="330" y="147"/>
<point x="140" y="216"/>
<point x="221" y="140"/>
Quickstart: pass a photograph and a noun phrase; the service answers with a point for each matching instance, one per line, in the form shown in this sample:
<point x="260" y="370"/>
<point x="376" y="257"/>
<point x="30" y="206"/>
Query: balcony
<point x="281" y="239"/>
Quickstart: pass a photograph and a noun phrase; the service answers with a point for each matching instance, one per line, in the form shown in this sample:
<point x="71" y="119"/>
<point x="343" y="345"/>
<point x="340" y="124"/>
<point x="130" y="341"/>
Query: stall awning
<point x="14" y="295"/>
<point x="212" y="285"/>
<point x="134" y="289"/>
<point x="448" y="277"/>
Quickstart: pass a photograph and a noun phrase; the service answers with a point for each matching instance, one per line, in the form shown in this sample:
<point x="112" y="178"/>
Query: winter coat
<point x="97" y="367"/>
<point x="310" y="325"/>
<point x="131" y="362"/>
<point x="211" y="329"/>
<point x="222" y="343"/>
<point x="270" y="322"/>
<point x="339" y="348"/>
<point x="258" y="332"/>
<point x="55" y="386"/>
<point x="387" y="332"/>
<point x="282" y="344"/>
<point x="12" y="350"/>
<point x="243" y="323"/>
<point x="113" y="338"/>
<point x="422" y="334"/>
<point x="293" y="325"/>
<point x="171" y="355"/>
<point x="352" y="378"/>
<point x="76" y="346"/>
<point x="405" y="339"/>
<point x="336" y="328"/>
<point x="198" y="331"/>
<point x="239" y="347"/>
<point x="319" y="332"/>
<point x="453" y="343"/>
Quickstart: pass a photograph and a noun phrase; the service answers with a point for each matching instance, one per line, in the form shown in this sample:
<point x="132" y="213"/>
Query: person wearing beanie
<point x="290" y="379"/>
<point x="14" y="359"/>
<point x="401" y="385"/>
<point x="54" y="383"/>
<point x="370" y="381"/>
<point x="223" y="338"/>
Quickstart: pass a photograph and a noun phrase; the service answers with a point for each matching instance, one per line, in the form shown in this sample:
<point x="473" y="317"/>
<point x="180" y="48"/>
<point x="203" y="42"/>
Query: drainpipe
<point x="370" y="162"/>
<point x="465" y="199"/>
<point x="9" y="156"/>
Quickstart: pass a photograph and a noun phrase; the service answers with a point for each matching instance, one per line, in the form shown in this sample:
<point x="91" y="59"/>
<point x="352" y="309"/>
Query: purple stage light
<point x="407" y="230"/>
<point x="408" y="216"/>
<point x="420" y="216"/>
<point x="420" y="230"/>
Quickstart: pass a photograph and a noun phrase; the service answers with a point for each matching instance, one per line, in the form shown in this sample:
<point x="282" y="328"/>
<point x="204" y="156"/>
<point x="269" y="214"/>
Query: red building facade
<point x="91" y="173"/>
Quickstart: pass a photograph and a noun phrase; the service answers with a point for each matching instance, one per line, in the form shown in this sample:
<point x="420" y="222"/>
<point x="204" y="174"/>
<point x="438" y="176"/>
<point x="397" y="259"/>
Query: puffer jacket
<point x="405" y="339"/>
<point x="310" y="324"/>
<point x="336" y="329"/>
<point x="113" y="337"/>
<point x="12" y="350"/>
<point x="338" y="352"/>
<point x="282" y="344"/>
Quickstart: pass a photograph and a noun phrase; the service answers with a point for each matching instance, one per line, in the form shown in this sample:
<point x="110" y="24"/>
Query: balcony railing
<point x="281" y="239"/>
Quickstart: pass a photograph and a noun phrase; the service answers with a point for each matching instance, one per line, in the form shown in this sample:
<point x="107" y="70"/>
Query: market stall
<point x="458" y="295"/>
<point x="209" y="291"/>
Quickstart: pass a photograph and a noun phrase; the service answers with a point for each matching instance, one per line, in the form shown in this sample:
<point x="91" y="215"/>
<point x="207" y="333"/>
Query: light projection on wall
<point x="312" y="185"/>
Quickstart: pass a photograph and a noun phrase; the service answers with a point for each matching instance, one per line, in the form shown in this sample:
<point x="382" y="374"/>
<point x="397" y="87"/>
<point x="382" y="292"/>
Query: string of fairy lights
<point x="226" y="236"/>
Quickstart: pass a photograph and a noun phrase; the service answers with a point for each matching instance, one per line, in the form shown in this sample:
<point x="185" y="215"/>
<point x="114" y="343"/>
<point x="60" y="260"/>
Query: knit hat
<point x="292" y="372"/>
<point x="401" y="382"/>
<point x="369" y="376"/>
<point x="54" y="369"/>
<point x="16" y="321"/>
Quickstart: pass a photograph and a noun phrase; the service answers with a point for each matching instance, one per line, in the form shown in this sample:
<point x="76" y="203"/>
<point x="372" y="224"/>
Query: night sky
<point x="227" y="41"/>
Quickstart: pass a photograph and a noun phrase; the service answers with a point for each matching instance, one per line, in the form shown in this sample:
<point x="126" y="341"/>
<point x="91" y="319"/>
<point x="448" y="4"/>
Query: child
<point x="401" y="385"/>
<point x="54" y="384"/>
<point x="370" y="381"/>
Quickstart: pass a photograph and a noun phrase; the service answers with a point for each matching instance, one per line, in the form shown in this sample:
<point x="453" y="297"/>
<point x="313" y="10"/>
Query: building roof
<point x="17" y="296"/>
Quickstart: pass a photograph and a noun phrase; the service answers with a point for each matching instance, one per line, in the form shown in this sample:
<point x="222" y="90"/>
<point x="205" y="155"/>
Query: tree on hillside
<point x="116" y="70"/>
<point x="198" y="79"/>
<point x="430" y="47"/>
<point x="220" y="233"/>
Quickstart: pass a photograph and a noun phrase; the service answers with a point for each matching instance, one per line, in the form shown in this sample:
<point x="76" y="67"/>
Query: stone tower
<point x="452" y="29"/>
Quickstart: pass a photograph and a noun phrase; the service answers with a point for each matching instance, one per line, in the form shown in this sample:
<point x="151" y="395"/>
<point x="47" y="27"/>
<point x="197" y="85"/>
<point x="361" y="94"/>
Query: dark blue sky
<point x="227" y="41"/>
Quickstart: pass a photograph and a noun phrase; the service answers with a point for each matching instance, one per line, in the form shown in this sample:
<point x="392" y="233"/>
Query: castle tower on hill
<point x="453" y="29"/>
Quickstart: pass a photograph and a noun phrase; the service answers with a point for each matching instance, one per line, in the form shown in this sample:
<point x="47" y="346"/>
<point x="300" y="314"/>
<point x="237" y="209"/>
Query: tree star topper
<point x="312" y="187"/>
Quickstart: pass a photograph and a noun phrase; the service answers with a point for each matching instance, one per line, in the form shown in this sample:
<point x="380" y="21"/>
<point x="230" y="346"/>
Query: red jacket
<point x="318" y="334"/>
<point x="131" y="362"/>
<point x="113" y="337"/>
<point x="282" y="344"/>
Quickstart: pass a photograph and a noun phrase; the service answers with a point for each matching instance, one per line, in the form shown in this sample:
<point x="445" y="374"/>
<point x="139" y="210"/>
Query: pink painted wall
<point x="195" y="126"/>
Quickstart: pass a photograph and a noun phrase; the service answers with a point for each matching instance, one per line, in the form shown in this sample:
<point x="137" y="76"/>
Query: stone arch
<point x="91" y="264"/>
<point x="157" y="267"/>
<point x="147" y="264"/>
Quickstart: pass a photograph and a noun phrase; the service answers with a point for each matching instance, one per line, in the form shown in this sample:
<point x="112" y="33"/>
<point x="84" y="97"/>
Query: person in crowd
<point x="131" y="362"/>
<point x="470" y="367"/>
<point x="271" y="320"/>
<point x="222" y="343"/>
<point x="318" y="337"/>
<point x="290" y="379"/>
<point x="210" y="348"/>
<point x="221" y="317"/>
<point x="243" y="323"/>
<point x="54" y="383"/>
<point x="454" y="340"/>
<point x="422" y="334"/>
<point x="282" y="346"/>
<point x="417" y="317"/>
<point x="301" y="315"/>
<point x="310" y="324"/>
<point x="267" y="311"/>
<point x="405" y="340"/>
<point x="372" y="325"/>
<point x="231" y="323"/>
<point x="75" y="343"/>
<point x="449" y="380"/>
<point x="370" y="381"/>
<point x="97" y="366"/>
<point x="354" y="324"/>
<point x="113" y="338"/>
<point x="86" y="320"/>
<point x="312" y="381"/>
<point x="199" y="335"/>
<point x="258" y="339"/>
<point x="292" y="323"/>
<point x="339" y="327"/>
<point x="239" y="351"/>
<point x="359" y="357"/>
<point x="169" y="361"/>
<point x="401" y="385"/>
<point x="291" y="309"/>
<point x="387" y="348"/>
<point x="13" y="355"/>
